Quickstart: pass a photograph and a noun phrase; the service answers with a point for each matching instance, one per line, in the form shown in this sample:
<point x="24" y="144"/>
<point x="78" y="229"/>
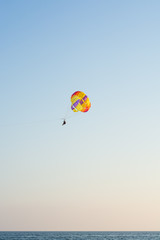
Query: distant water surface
<point x="80" y="235"/>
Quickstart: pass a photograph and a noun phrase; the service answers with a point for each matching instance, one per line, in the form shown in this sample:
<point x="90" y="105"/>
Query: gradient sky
<point x="101" y="171"/>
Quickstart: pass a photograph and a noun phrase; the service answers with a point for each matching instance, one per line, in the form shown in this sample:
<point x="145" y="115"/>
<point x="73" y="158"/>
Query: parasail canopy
<point x="80" y="102"/>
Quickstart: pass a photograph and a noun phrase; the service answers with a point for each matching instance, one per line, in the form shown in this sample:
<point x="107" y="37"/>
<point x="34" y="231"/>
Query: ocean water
<point x="80" y="235"/>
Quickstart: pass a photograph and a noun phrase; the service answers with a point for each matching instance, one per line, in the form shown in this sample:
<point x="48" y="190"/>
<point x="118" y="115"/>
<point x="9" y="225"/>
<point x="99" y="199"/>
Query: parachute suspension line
<point x="67" y="111"/>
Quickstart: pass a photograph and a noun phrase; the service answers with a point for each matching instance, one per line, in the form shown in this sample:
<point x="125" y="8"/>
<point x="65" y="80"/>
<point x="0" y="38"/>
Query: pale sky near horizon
<point x="101" y="171"/>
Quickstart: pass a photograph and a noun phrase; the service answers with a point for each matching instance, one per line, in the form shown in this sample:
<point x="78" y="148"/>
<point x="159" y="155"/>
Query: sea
<point x="80" y="235"/>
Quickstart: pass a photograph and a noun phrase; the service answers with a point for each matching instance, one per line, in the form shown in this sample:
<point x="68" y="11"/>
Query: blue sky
<point x="101" y="170"/>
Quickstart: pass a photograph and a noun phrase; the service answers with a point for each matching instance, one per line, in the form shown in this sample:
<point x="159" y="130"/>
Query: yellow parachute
<point x="80" y="102"/>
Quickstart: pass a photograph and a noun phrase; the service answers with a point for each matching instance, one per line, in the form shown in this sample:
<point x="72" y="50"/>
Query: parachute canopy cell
<point x="80" y="102"/>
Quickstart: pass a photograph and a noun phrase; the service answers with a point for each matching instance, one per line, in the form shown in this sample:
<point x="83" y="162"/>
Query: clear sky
<point x="101" y="171"/>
